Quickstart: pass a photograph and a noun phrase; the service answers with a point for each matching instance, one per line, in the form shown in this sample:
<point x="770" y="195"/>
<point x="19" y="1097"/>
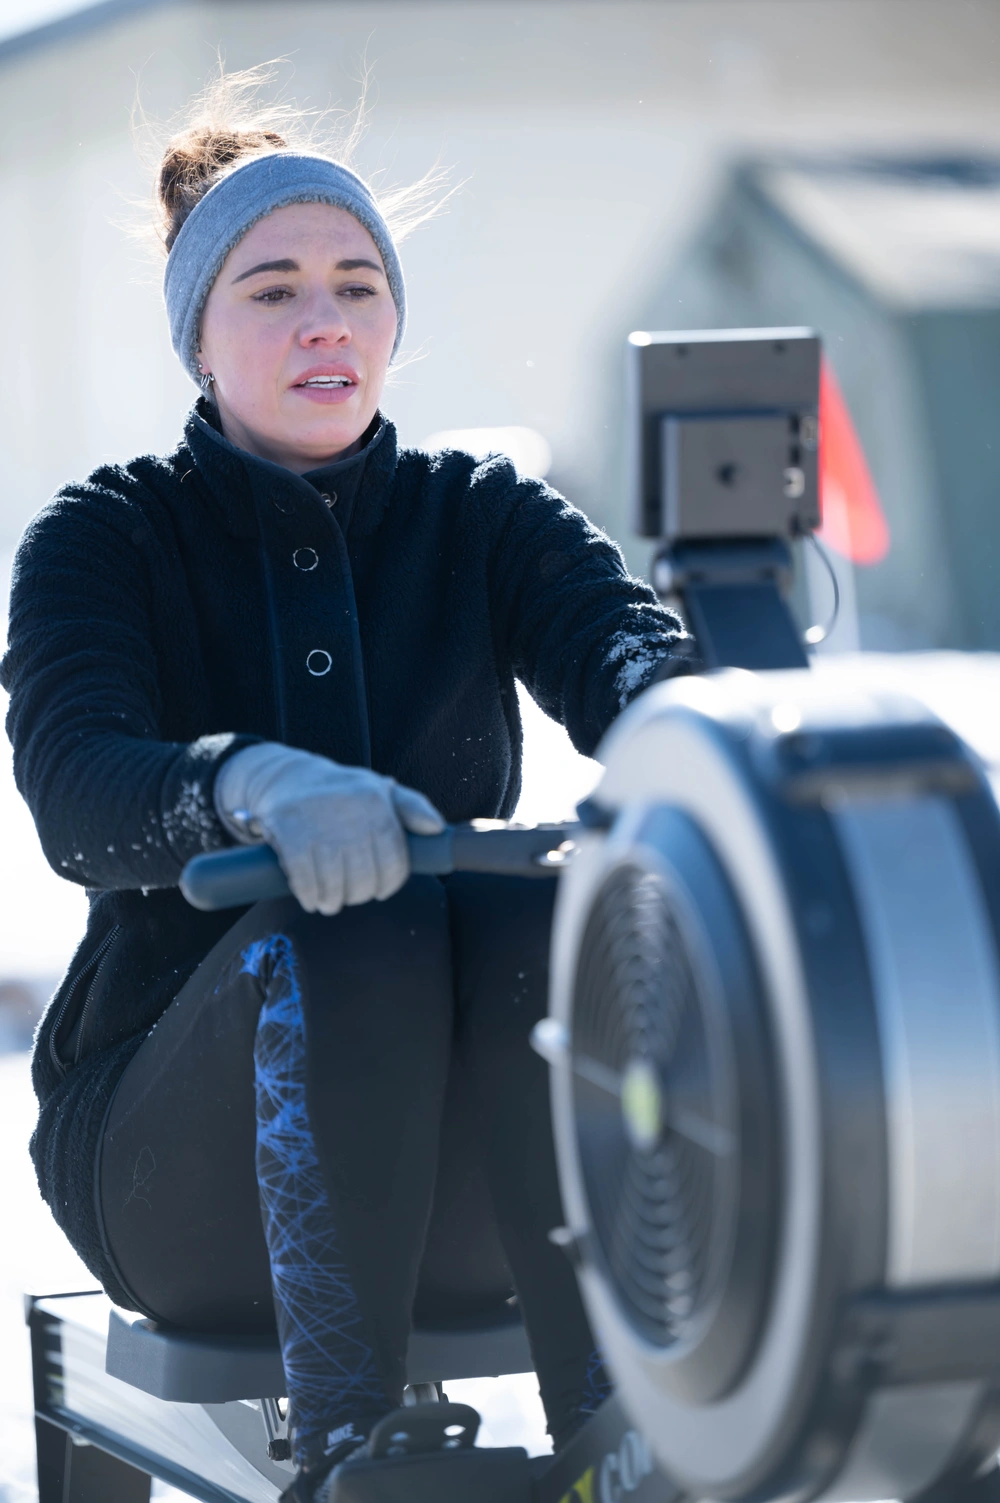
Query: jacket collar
<point x="232" y="476"/>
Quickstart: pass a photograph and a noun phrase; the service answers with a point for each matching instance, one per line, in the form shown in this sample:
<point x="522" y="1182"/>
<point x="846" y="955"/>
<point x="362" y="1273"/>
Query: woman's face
<point x="297" y="331"/>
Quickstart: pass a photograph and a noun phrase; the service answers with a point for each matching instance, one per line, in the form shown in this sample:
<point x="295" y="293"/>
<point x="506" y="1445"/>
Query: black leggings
<point x="322" y="1128"/>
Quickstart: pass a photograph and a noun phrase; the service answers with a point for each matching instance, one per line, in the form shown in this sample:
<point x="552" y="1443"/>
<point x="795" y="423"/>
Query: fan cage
<point x="657" y="1208"/>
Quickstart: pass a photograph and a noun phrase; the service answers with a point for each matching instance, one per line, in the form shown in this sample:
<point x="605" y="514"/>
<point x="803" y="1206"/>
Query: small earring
<point x="206" y="378"/>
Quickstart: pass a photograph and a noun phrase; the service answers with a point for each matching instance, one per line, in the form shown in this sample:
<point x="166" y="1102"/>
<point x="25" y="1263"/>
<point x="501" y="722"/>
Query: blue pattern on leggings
<point x="333" y="1387"/>
<point x="597" y="1386"/>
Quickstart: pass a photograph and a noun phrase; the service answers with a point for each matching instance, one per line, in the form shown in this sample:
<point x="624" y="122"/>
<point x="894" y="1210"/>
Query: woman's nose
<point x="324" y="322"/>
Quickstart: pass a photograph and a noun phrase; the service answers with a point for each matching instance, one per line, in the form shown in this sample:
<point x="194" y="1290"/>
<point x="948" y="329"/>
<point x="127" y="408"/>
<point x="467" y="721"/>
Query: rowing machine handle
<point x="249" y="873"/>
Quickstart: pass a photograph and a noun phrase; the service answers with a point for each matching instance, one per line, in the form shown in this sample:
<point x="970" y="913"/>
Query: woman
<point x="291" y="630"/>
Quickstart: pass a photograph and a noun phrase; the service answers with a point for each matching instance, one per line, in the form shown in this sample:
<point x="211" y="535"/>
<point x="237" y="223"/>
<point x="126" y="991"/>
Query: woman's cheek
<point x="263" y="363"/>
<point x="380" y="342"/>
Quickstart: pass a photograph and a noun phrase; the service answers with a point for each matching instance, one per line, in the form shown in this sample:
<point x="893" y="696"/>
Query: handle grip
<point x="249" y="873"/>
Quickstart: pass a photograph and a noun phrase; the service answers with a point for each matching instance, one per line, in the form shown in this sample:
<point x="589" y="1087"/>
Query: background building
<point x="896" y="259"/>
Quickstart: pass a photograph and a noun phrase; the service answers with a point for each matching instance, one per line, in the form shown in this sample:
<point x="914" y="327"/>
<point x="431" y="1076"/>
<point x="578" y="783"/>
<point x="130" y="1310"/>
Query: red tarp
<point x="853" y="521"/>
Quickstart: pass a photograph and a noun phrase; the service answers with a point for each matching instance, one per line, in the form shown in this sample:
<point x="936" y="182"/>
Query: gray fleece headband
<point x="230" y="208"/>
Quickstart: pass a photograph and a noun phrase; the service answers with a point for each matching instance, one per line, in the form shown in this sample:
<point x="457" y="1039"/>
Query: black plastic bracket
<point x="733" y="594"/>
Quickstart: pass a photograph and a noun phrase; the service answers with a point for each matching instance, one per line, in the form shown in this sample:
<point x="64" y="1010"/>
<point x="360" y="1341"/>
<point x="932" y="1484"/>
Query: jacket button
<point x="330" y="497"/>
<point x="305" y="559"/>
<point x="319" y="662"/>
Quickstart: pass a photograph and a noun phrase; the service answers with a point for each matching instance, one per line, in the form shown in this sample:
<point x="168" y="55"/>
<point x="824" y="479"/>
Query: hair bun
<point x="195" y="159"/>
<point x="228" y="123"/>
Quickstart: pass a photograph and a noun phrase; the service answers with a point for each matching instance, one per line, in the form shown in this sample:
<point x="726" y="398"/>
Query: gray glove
<point x="337" y="831"/>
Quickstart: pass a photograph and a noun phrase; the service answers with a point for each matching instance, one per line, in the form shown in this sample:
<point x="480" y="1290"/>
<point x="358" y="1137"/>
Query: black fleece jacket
<point x="166" y="613"/>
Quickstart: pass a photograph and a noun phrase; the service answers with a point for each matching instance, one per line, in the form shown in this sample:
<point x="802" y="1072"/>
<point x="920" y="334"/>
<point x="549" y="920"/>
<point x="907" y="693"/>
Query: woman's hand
<point x="337" y="831"/>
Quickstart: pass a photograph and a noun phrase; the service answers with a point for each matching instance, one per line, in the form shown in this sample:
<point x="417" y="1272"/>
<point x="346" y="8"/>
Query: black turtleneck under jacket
<point x="167" y="613"/>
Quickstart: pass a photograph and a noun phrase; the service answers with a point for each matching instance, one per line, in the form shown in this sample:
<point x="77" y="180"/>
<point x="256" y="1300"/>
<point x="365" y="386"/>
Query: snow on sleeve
<point x="635" y="658"/>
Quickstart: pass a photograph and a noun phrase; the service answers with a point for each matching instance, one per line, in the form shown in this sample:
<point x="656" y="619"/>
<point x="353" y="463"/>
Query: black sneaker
<point x="309" y="1481"/>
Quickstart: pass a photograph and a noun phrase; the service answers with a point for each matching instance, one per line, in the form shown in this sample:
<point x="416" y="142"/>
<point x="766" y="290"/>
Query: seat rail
<point x="101" y="1438"/>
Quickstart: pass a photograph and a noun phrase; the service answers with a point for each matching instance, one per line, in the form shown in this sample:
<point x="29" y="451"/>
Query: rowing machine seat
<point x="192" y="1368"/>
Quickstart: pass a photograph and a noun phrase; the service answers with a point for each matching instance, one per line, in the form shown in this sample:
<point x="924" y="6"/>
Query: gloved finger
<point x="361" y="875"/>
<point x="292" y="849"/>
<point x="416" y="812"/>
<point x="392" y="858"/>
<point x="298" y="867"/>
<point x="331" y="876"/>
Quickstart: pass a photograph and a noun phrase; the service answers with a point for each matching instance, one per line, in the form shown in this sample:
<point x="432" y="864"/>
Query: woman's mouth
<point x="327" y="387"/>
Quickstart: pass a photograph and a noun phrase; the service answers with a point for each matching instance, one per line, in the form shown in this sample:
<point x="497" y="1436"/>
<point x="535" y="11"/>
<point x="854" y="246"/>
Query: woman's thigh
<point x="501" y="932"/>
<point x="177" y="1184"/>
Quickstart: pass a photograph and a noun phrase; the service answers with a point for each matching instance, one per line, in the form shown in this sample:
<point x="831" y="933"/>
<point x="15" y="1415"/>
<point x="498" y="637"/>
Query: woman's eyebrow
<point x="284" y="265"/>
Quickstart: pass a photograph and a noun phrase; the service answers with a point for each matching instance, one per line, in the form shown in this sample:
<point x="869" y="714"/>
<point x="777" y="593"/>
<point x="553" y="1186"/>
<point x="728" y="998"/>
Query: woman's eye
<point x="281" y="294"/>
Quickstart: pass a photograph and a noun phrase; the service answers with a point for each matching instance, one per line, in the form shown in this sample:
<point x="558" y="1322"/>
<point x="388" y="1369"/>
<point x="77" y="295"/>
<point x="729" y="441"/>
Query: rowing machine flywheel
<point x="775" y="1038"/>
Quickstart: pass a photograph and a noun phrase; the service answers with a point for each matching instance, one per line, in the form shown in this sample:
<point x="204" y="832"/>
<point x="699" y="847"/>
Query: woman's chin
<point x="320" y="443"/>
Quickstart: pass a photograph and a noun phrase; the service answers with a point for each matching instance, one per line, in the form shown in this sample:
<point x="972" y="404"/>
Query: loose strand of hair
<point x="205" y="137"/>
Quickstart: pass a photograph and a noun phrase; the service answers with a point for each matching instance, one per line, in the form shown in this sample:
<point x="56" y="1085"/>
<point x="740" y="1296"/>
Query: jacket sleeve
<point x="114" y="805"/>
<point x="584" y="637"/>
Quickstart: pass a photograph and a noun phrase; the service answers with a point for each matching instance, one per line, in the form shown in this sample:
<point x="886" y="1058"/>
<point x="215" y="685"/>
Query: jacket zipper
<point x="357" y="654"/>
<point x="98" y="958"/>
<point x="275" y="639"/>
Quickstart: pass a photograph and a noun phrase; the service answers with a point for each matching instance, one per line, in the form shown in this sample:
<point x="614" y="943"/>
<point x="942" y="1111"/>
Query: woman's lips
<point x="326" y="395"/>
<point x="330" y="383"/>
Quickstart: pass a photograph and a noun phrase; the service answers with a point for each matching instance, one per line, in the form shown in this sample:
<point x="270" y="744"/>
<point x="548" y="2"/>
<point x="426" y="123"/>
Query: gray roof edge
<point x="64" y="28"/>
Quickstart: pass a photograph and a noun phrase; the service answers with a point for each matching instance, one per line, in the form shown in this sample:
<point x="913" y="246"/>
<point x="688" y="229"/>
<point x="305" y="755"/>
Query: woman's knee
<point x="420" y="904"/>
<point x="375" y="979"/>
